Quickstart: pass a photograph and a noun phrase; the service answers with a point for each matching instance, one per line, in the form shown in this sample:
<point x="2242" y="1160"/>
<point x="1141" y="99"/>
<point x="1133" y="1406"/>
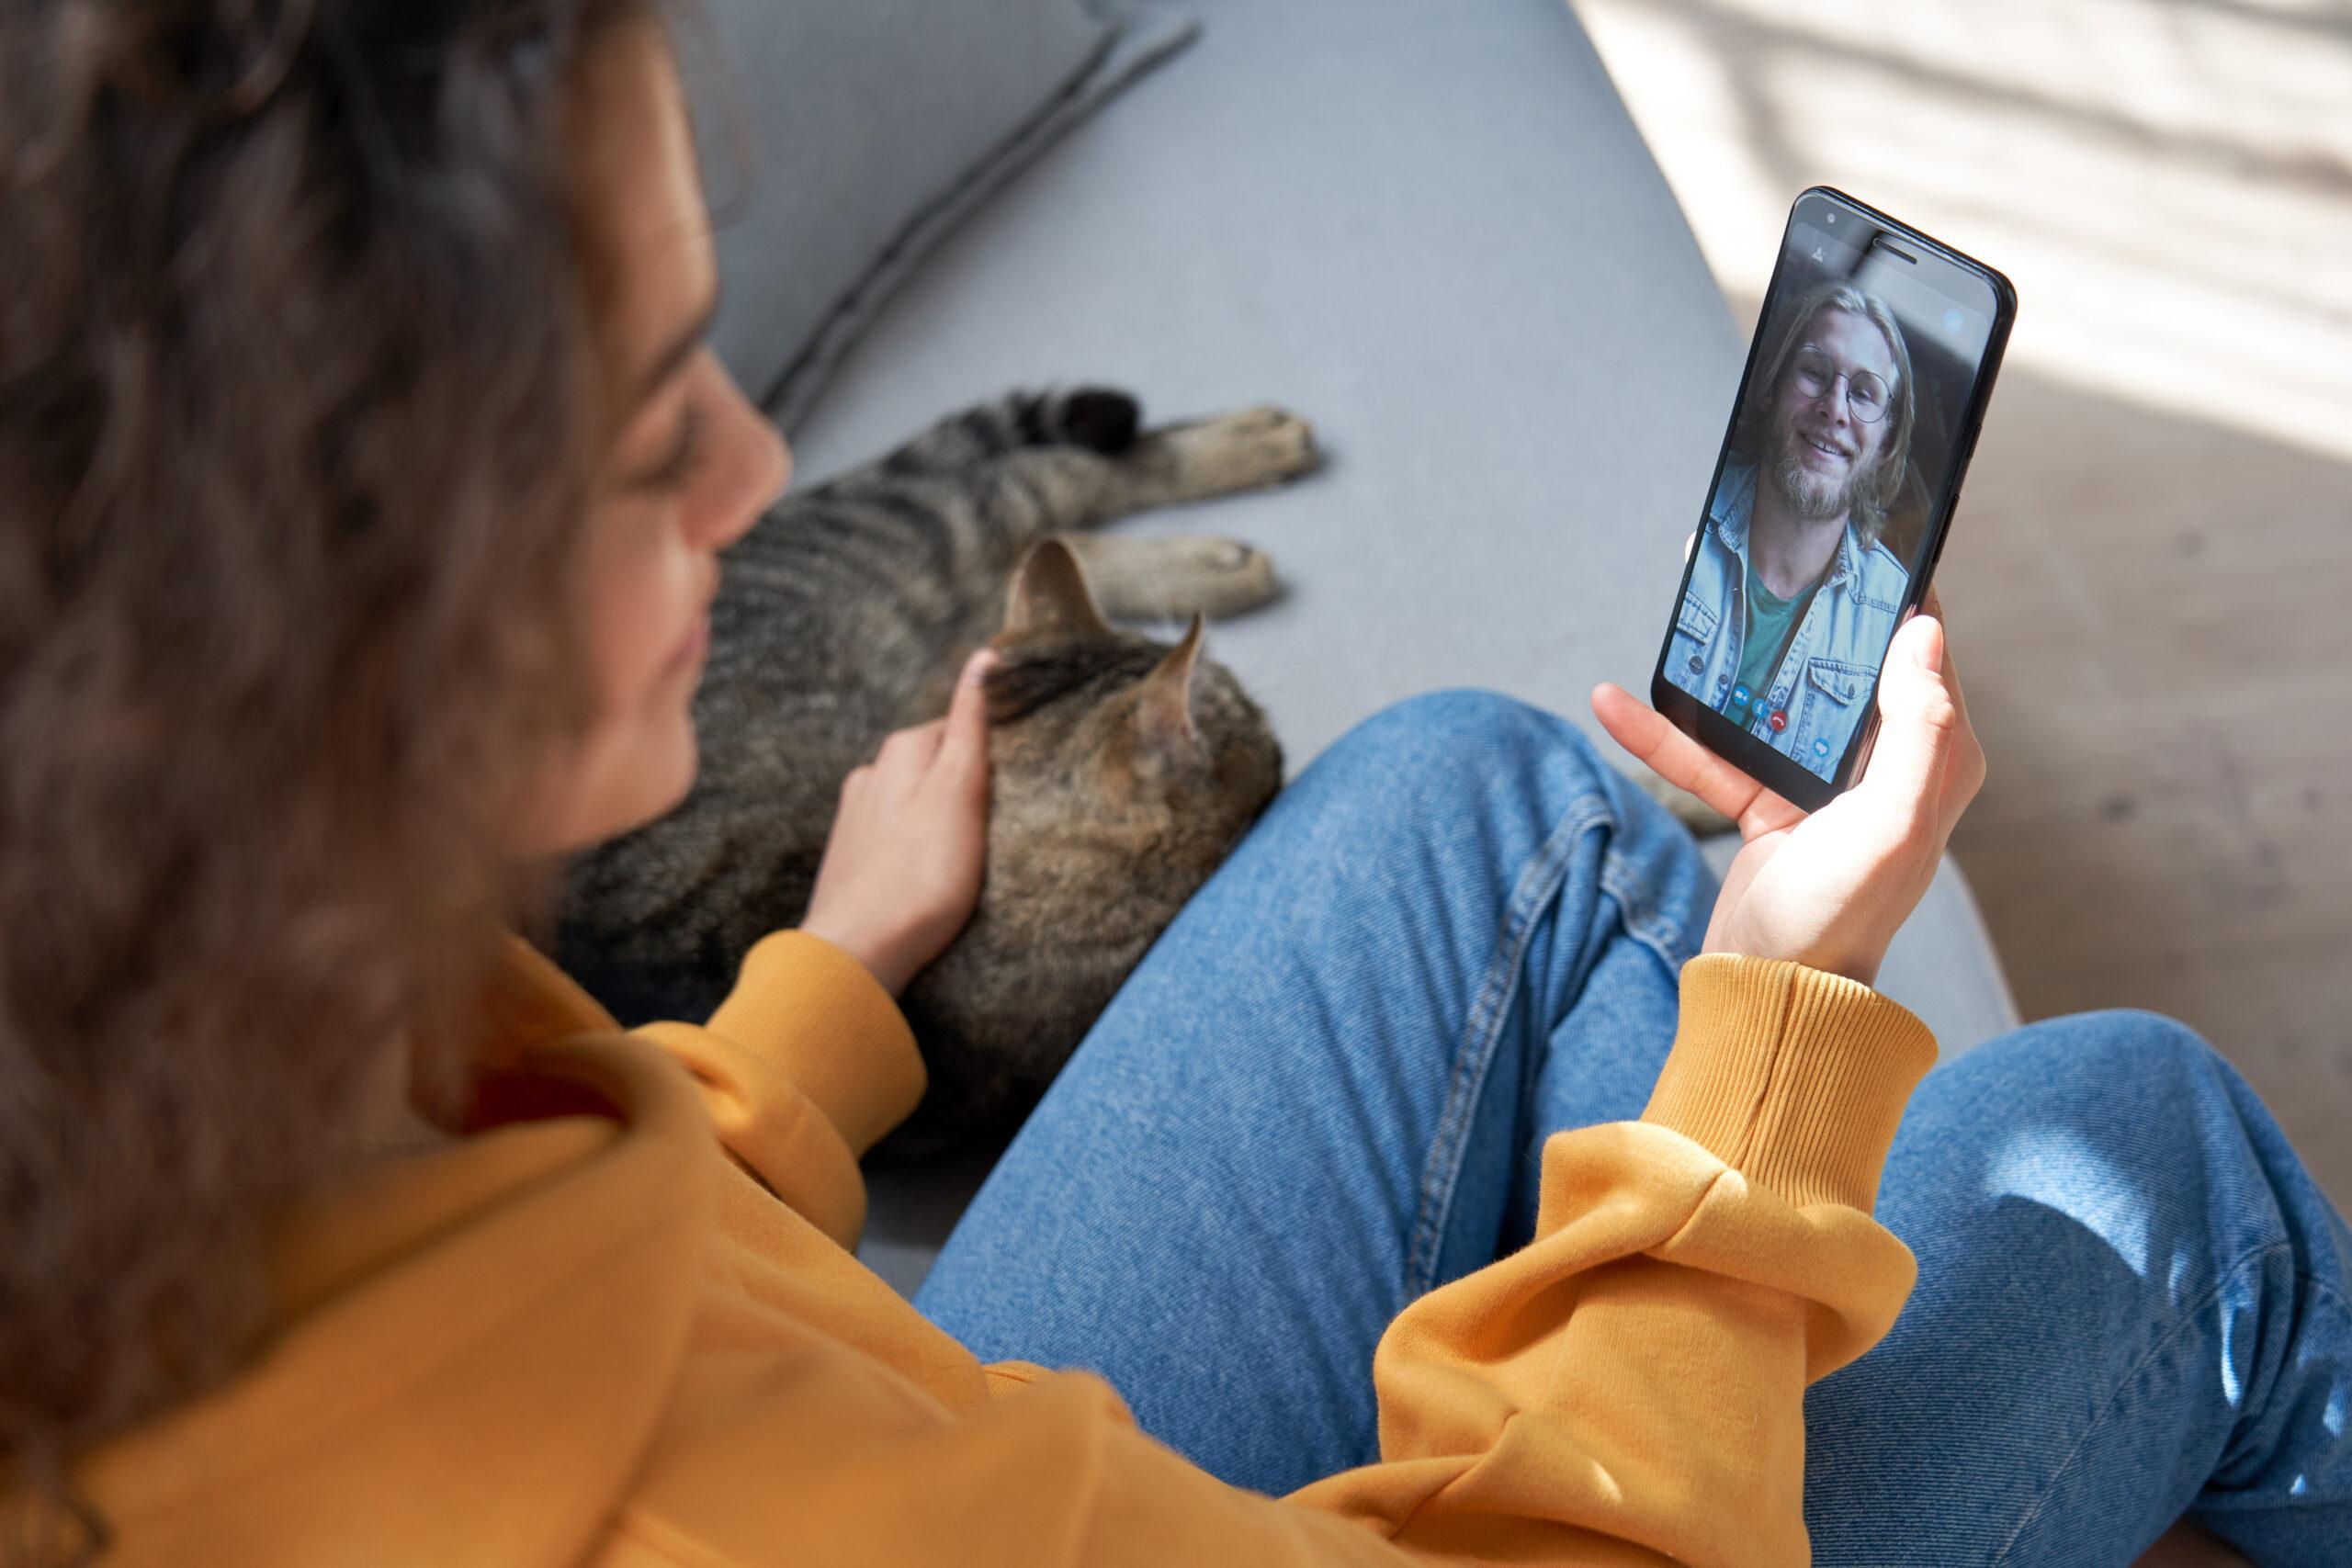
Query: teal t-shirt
<point x="1771" y="623"/>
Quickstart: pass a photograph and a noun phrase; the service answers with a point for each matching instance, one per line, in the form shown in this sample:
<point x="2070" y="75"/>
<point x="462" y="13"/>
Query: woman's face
<point x="687" y="466"/>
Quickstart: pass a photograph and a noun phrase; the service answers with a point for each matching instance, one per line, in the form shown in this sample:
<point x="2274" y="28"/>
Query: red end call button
<point x="1780" y="719"/>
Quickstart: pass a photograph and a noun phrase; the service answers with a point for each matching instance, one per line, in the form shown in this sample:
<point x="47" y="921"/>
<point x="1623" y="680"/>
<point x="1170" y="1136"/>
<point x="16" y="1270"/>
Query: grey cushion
<point x="1433" y="230"/>
<point x="873" y="130"/>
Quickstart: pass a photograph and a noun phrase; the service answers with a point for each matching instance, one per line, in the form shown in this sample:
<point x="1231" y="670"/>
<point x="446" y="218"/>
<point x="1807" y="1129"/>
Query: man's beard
<point x="1808" y="495"/>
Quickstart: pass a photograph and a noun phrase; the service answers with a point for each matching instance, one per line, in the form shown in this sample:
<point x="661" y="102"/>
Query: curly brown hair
<point x="296" y="423"/>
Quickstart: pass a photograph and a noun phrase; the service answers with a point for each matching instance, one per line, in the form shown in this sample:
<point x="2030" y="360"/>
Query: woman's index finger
<point x="1672" y="755"/>
<point x="966" y="740"/>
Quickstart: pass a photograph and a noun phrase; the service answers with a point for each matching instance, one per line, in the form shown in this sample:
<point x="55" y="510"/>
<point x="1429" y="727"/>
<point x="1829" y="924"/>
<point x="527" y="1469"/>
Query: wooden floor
<point x="2149" y="616"/>
<point x="2150" y="579"/>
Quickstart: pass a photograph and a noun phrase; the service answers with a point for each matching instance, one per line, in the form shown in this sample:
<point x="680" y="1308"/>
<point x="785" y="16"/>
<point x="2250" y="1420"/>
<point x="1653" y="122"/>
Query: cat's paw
<point x="1170" y="577"/>
<point x="1218" y="577"/>
<point x="1277" y="444"/>
<point x="1252" y="449"/>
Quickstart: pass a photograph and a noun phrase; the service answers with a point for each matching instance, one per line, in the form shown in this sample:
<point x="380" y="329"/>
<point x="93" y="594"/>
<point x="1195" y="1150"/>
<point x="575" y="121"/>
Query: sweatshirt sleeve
<point x="1628" y="1388"/>
<point x="805" y="1065"/>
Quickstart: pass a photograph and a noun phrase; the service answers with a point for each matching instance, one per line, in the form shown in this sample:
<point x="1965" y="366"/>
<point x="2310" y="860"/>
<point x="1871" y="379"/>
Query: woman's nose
<point x="756" y="476"/>
<point x="777" y="460"/>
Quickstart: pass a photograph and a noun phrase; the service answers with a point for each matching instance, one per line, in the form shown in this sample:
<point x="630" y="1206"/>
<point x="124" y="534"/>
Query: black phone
<point x="1857" y="413"/>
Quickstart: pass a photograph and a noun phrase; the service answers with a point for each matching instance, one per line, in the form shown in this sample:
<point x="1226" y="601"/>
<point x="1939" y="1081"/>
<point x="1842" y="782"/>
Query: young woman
<point x="363" y="472"/>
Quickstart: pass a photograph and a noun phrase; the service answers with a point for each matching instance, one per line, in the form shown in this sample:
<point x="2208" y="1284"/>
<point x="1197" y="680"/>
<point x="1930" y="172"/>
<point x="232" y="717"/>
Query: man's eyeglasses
<point x="1815" y="373"/>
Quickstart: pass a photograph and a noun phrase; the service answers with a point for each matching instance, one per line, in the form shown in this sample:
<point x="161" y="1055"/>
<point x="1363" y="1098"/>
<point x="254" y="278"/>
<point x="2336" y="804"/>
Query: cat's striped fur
<point x="1123" y="769"/>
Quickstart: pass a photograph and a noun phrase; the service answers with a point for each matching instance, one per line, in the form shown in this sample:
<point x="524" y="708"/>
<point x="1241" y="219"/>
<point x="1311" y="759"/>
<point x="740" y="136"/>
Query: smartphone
<point x="1832" y="493"/>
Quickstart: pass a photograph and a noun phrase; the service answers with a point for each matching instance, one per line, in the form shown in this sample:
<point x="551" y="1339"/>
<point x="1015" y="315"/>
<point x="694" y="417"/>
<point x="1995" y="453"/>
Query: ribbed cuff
<point x="830" y="1027"/>
<point x="1794" y="1077"/>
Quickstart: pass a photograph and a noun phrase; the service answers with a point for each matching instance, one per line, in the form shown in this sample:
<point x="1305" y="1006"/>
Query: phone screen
<point x="1856" y="415"/>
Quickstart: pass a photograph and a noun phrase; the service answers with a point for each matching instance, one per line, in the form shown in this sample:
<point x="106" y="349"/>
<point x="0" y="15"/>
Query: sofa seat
<point x="1435" y="231"/>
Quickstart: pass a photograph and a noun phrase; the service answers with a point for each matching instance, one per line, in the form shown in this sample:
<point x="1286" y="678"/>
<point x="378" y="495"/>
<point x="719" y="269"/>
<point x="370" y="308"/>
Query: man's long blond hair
<point x="1754" y="436"/>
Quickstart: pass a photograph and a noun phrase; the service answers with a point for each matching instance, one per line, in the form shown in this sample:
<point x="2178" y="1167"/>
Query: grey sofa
<point x="1433" y="230"/>
<point x="1429" y="226"/>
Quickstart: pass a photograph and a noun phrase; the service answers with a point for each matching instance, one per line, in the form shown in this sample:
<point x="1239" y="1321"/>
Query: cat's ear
<point x="1164" y="708"/>
<point x="1049" y="596"/>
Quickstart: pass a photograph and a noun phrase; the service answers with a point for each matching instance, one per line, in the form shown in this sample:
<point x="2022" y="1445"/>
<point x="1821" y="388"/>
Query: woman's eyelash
<point x="679" y="468"/>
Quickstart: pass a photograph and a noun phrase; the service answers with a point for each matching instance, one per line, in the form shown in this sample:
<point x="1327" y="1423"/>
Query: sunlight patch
<point x="2062" y="1170"/>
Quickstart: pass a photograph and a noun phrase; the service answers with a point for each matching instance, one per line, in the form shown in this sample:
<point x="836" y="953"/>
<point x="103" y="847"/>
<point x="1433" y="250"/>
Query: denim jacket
<point x="1822" y="689"/>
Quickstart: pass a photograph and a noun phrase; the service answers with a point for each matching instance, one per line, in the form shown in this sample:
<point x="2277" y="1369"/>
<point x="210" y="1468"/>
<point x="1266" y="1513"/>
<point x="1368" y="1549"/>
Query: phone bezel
<point x="1784" y="775"/>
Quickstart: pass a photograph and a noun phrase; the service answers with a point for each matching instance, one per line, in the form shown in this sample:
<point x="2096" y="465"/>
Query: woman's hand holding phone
<point x="1829" y="890"/>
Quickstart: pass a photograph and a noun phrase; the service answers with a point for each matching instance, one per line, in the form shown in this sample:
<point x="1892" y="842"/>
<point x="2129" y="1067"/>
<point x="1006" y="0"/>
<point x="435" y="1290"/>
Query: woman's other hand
<point x="1829" y="890"/>
<point x="901" y="871"/>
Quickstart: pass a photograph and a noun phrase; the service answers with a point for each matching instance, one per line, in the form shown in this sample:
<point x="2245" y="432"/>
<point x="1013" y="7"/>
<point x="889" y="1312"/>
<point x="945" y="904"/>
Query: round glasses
<point x="1815" y="373"/>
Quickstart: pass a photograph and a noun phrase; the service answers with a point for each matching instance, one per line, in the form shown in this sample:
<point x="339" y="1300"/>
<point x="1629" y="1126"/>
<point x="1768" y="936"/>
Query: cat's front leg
<point x="1254" y="448"/>
<point x="1170" y="579"/>
<point x="1079" y="487"/>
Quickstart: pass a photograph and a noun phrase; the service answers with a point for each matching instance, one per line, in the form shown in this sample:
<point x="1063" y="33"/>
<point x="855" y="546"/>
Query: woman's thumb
<point x="1917" y="717"/>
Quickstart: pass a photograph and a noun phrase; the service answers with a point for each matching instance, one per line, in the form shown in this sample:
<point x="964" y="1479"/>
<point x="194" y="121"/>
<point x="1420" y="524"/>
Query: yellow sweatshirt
<point x="595" y="1334"/>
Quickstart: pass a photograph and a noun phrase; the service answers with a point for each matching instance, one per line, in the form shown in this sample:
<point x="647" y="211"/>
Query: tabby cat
<point x="1122" y="768"/>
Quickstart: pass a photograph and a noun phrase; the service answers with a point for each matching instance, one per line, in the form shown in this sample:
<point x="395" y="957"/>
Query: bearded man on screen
<point x="1793" y="595"/>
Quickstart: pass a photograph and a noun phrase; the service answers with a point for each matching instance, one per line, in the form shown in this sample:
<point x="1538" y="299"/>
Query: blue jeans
<point x="1325" y="1090"/>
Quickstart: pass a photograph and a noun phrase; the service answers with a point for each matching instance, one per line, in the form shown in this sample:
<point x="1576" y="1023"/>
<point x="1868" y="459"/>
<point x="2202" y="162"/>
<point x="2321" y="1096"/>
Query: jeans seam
<point x="2241" y="1504"/>
<point x="1656" y="931"/>
<point x="1538" y="885"/>
<point x="2187" y="1317"/>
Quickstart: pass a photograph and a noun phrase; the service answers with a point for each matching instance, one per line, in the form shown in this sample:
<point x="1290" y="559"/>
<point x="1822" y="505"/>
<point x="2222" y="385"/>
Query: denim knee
<point x="2153" y="1097"/>
<point x="1462" y="731"/>
<point x="2131" y="1049"/>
